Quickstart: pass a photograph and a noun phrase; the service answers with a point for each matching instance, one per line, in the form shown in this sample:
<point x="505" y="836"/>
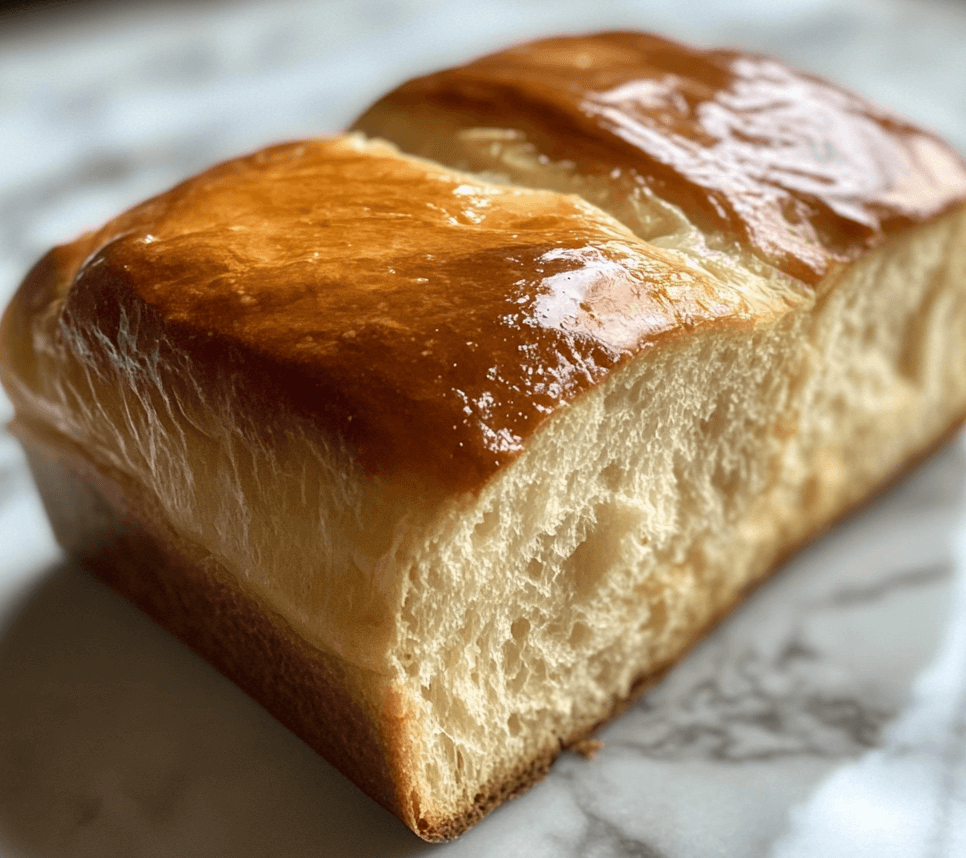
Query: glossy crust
<point x="385" y="299"/>
<point x="802" y="172"/>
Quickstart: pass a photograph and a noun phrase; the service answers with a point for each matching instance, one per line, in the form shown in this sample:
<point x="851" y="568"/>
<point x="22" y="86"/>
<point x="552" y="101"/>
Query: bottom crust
<point x="329" y="705"/>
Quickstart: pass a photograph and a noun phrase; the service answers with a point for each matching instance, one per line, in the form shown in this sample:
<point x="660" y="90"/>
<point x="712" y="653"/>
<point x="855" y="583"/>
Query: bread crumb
<point x="587" y="748"/>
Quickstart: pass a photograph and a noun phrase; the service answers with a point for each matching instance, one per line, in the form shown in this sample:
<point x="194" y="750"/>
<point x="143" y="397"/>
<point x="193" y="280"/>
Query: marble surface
<point x="826" y="718"/>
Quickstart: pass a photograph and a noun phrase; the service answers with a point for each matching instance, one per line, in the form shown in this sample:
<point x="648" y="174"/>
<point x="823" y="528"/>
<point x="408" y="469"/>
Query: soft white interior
<point x="641" y="513"/>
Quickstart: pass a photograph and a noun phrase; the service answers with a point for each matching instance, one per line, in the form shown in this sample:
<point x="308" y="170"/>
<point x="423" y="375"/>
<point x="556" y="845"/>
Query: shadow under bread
<point x="116" y="740"/>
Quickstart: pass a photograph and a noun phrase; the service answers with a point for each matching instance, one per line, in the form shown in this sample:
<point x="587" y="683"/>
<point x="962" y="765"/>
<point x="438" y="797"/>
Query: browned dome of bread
<point x="390" y="300"/>
<point x="801" y="171"/>
<point x="445" y="464"/>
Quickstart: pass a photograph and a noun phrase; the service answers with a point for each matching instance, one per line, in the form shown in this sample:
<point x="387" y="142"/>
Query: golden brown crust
<point x="386" y="300"/>
<point x="803" y="172"/>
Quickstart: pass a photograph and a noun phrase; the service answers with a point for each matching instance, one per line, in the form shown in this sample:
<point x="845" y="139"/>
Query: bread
<point x="445" y="454"/>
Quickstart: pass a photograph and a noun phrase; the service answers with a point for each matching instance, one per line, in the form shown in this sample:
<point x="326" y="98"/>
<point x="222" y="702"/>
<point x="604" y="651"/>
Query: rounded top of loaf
<point x="429" y="320"/>
<point x="801" y="172"/>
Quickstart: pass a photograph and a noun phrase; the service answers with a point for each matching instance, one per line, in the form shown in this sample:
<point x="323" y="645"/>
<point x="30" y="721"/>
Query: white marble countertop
<point x="826" y="718"/>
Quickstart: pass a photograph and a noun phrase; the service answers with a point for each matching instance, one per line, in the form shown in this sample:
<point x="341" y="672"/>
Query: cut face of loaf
<point x="444" y="468"/>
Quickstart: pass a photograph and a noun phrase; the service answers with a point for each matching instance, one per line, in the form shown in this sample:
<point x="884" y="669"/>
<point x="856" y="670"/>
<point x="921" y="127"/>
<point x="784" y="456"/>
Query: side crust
<point x="194" y="598"/>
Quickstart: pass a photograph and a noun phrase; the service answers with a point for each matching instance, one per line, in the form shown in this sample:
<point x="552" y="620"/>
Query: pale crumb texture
<point x="646" y="510"/>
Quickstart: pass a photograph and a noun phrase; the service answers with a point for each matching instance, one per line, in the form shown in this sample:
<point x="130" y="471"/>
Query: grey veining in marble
<point x="826" y="718"/>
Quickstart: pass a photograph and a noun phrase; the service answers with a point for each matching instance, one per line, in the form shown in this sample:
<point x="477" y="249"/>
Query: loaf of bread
<point x="447" y="447"/>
